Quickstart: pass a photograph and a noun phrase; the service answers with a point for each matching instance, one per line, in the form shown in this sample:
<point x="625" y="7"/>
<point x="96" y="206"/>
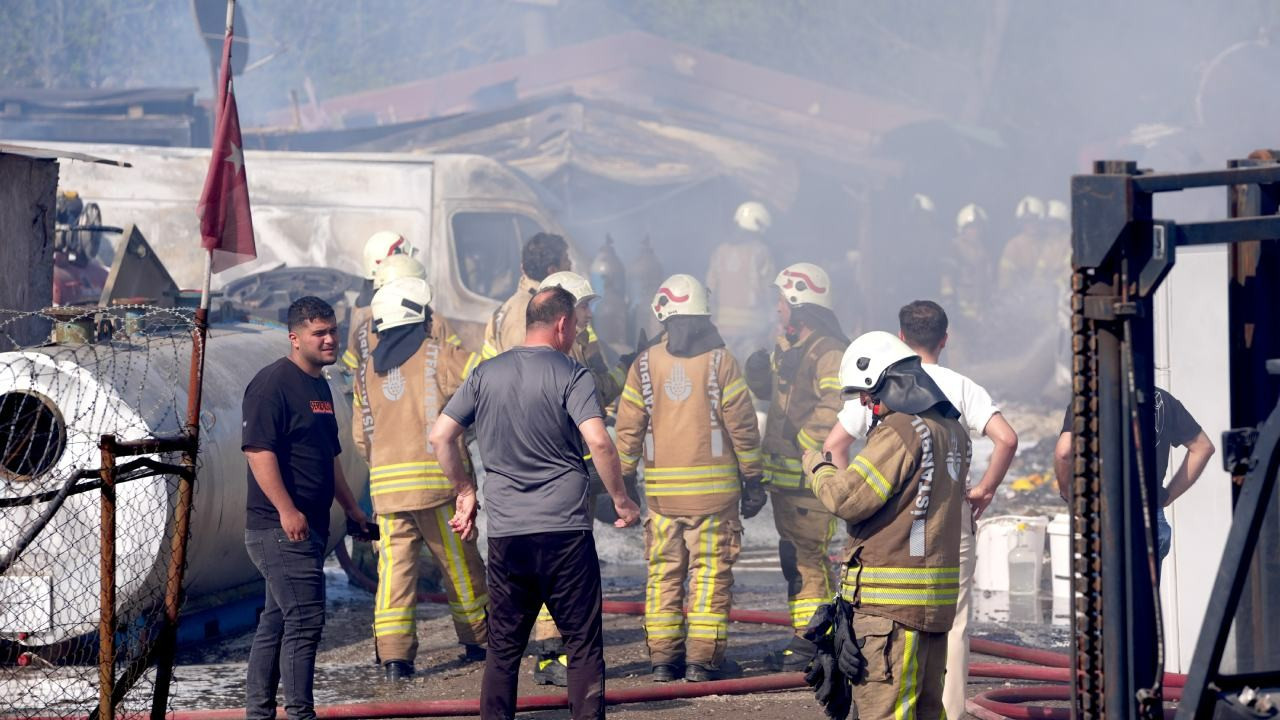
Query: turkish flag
<point x="226" y="225"/>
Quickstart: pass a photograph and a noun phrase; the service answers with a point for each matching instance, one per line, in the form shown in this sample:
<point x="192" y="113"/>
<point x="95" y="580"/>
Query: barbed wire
<point x="68" y="376"/>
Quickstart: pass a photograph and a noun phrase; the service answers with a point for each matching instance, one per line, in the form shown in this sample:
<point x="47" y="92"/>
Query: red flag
<point x="226" y="226"/>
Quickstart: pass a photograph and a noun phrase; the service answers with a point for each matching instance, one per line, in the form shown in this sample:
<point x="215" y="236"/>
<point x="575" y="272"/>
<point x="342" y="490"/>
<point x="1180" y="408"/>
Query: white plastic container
<point x="996" y="539"/>
<point x="1060" y="554"/>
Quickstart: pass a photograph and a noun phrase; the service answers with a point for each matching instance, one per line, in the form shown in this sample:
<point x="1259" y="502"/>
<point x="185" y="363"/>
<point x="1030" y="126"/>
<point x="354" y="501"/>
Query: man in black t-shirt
<point x="1174" y="427"/>
<point x="290" y="439"/>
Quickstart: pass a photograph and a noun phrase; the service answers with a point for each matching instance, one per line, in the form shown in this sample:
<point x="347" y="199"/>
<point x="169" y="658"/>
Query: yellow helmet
<point x="382" y="245"/>
<point x="805" y="284"/>
<point x="396" y="267"/>
<point x="681" y="295"/>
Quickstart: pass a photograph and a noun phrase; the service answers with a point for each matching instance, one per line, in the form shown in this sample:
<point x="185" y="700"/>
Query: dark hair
<point x="548" y="306"/>
<point x="923" y="324"/>
<point x="542" y="251"/>
<point x="308" y="308"/>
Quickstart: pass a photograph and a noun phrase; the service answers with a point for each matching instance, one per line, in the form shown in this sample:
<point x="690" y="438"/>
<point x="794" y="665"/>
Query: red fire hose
<point x="1007" y="702"/>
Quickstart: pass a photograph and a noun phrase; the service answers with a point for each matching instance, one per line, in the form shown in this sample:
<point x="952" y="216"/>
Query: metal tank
<point x="134" y="390"/>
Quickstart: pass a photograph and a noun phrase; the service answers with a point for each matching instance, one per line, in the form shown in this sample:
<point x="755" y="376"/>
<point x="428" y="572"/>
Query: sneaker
<point x="667" y="672"/>
<point x="398" y="671"/>
<point x="698" y="672"/>
<point x="473" y="653"/>
<point x="552" y="670"/>
<point x="794" y="658"/>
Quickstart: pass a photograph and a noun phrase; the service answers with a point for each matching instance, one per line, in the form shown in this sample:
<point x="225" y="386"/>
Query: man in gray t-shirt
<point x="532" y="400"/>
<point x="533" y="407"/>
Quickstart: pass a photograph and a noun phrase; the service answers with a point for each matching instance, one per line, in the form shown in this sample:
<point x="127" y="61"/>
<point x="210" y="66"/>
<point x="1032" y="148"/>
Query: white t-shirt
<point x="970" y="398"/>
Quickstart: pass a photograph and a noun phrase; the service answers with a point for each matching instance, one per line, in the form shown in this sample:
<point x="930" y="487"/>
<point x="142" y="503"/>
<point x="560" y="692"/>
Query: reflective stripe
<point x="398" y="628"/>
<point x="388" y="487"/>
<point x="909" y="690"/>
<point x="632" y="396"/>
<point x="473" y="361"/>
<point x="921" y="597"/>
<point x="938" y="577"/>
<point x="453" y="339"/>
<point x="653" y="599"/>
<point x="708" y="632"/>
<point x="544" y="615"/>
<point x="705" y="579"/>
<point x="455" y="558"/>
<point x="830" y="383"/>
<point x="749" y="456"/>
<point x="384" y="562"/>
<point x="783" y="472"/>
<point x="350" y="360"/>
<point x="627" y="458"/>
<point x="704" y="487"/>
<point x="488" y="351"/>
<point x="733" y="390"/>
<point x="708" y="472"/>
<point x="802" y="611"/>
<point x="868" y="471"/>
<point x="807" y="441"/>
<point x="404" y="467"/>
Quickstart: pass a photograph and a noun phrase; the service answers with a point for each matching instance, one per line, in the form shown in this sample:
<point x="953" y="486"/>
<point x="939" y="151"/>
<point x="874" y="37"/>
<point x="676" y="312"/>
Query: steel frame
<point x="1121" y="255"/>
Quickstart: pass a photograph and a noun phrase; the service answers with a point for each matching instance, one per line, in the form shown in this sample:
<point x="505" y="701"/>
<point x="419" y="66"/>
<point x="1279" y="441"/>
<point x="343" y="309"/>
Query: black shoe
<point x="667" y="672"/>
<point x="551" y="670"/>
<point x="473" y="653"/>
<point x="398" y="671"/>
<point x="697" y="672"/>
<point x="794" y="658"/>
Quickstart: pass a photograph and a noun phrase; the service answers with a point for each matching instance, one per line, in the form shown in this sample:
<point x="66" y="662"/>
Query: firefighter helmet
<point x="382" y="245"/>
<point x="578" y="286"/>
<point x="400" y="302"/>
<point x="1030" y="208"/>
<point x="970" y="214"/>
<point x="1059" y="211"/>
<point x="396" y="267"/>
<point x="922" y="203"/>
<point x="681" y="295"/>
<point x="868" y="357"/>
<point x="805" y="283"/>
<point x="753" y="217"/>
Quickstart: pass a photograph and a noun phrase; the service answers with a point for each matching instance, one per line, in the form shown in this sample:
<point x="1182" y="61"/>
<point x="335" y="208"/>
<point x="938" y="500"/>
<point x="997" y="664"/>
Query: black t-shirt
<point x="1174" y="426"/>
<point x="290" y="413"/>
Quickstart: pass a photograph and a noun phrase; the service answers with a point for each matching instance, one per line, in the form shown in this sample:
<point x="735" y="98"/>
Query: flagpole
<point x="217" y="92"/>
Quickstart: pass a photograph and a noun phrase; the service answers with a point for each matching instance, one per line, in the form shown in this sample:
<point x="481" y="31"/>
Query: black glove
<point x="759" y="374"/>
<point x="852" y="663"/>
<point x="830" y="686"/>
<point x="754" y="497"/>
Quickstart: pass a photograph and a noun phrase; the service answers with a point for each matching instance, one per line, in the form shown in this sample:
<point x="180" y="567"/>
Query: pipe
<point x="1008" y="702"/>
<point x="1005" y="671"/>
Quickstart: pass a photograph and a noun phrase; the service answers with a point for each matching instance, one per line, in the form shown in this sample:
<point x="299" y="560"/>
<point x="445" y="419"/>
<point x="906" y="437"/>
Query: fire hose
<point x="1045" y="666"/>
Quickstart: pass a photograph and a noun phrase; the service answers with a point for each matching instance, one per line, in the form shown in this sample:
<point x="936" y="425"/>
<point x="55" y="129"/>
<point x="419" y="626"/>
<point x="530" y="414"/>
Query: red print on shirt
<point x="321" y="407"/>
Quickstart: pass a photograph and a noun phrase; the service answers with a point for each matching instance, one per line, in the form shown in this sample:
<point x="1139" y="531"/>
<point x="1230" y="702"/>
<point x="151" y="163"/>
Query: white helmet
<point x="970" y="214"/>
<point x="1030" y="208"/>
<point x="805" y="283"/>
<point x="382" y="245"/>
<point x="753" y="217"/>
<point x="1059" y="211"/>
<point x="400" y="302"/>
<point x="868" y="357"/>
<point x="681" y="295"/>
<point x="922" y="202"/>
<point x="578" y="286"/>
<point x="396" y="267"/>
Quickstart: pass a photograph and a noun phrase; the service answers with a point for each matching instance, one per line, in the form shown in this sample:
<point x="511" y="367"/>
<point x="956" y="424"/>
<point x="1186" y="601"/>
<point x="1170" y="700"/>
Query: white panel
<point x="1191" y="362"/>
<point x="28" y="605"/>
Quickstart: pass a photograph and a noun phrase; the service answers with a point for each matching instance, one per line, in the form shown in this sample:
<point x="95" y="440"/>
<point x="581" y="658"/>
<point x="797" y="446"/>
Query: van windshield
<point x="487" y="245"/>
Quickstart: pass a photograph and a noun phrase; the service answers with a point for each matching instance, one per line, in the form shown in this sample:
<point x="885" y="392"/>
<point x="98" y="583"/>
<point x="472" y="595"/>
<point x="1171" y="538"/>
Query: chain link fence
<point x="119" y="372"/>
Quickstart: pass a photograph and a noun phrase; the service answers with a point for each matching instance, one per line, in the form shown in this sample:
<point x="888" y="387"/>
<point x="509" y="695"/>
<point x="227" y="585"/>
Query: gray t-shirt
<point x="526" y="405"/>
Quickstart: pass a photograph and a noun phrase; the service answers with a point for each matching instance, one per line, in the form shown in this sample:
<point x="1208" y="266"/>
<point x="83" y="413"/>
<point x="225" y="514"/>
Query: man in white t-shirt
<point x="923" y="326"/>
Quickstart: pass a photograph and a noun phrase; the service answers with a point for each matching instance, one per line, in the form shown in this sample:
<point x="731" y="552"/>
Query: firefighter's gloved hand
<point x="852" y="663"/>
<point x="832" y="690"/>
<point x="754" y="497"/>
<point x="759" y="374"/>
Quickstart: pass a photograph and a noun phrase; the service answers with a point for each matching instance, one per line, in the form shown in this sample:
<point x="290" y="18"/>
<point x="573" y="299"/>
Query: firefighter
<point x="552" y="664"/>
<point x="1020" y="261"/>
<point x="380" y="246"/>
<point x="801" y="379"/>
<point x="903" y="500"/>
<point x="966" y="276"/>
<point x="686" y="411"/>
<point x="361" y="334"/>
<point x="543" y="254"/>
<point x="738" y="279"/>
<point x="399" y="390"/>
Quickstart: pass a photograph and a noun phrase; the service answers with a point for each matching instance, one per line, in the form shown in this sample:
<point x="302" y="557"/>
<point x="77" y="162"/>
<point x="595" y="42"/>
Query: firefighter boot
<point x="551" y="666"/>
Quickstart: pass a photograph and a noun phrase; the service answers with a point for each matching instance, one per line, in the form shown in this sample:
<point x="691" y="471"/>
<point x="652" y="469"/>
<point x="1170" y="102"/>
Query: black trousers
<point x="526" y="571"/>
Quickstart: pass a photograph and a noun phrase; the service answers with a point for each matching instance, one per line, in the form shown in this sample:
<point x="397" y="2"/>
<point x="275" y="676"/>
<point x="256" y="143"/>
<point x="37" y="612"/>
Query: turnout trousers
<point x="804" y="532"/>
<point x="702" y="549"/>
<point x="402" y="536"/>
<point x="905" y="670"/>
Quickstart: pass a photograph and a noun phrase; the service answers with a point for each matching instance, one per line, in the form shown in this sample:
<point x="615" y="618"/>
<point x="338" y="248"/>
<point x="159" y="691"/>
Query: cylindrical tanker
<point x="67" y="397"/>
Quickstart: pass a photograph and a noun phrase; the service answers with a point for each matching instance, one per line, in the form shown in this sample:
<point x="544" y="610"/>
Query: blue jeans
<point x="284" y="646"/>
<point x="1164" y="534"/>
